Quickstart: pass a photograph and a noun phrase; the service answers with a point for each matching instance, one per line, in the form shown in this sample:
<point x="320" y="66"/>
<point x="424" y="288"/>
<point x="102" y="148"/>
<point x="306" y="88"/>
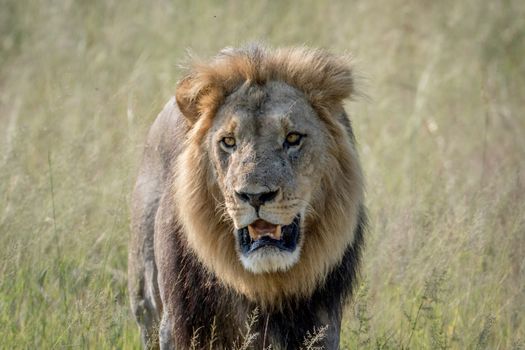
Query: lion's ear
<point x="187" y="96"/>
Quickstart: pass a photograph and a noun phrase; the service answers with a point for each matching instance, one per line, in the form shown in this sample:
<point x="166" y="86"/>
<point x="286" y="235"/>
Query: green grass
<point x="441" y="134"/>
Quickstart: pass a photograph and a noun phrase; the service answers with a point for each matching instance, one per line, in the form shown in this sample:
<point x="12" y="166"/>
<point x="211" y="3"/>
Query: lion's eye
<point x="293" y="139"/>
<point x="228" y="142"/>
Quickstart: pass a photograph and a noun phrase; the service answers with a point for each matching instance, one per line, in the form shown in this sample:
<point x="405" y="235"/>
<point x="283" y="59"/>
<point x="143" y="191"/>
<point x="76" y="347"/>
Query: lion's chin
<point x="266" y="247"/>
<point x="269" y="259"/>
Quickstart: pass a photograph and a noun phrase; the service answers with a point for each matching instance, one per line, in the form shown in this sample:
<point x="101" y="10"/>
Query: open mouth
<point x="260" y="234"/>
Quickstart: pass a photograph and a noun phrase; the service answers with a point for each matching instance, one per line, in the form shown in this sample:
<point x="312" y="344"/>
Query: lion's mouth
<point x="260" y="234"/>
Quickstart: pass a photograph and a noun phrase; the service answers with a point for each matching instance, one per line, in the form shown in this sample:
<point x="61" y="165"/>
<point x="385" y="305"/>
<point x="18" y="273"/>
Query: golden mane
<point x="325" y="80"/>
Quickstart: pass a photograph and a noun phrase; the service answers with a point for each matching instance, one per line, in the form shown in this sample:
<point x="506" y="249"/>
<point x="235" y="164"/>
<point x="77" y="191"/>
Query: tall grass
<point x="441" y="134"/>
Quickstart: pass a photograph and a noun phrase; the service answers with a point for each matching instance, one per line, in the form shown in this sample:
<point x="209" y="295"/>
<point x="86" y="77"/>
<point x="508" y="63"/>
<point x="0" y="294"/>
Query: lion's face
<point x="267" y="145"/>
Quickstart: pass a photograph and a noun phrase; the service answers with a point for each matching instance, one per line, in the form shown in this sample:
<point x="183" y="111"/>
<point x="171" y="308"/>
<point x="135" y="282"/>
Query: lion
<point x="250" y="196"/>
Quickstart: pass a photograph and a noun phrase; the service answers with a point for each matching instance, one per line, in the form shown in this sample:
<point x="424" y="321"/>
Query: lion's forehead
<point x="273" y="107"/>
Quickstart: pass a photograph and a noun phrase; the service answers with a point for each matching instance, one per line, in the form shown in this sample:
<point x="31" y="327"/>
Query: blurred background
<point x="441" y="130"/>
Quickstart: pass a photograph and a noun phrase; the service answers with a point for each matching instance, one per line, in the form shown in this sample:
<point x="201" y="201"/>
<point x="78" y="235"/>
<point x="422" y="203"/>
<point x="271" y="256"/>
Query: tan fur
<point x="325" y="80"/>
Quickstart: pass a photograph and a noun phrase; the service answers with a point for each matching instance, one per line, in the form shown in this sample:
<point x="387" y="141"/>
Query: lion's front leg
<point x="332" y="318"/>
<point x="166" y="333"/>
<point x="331" y="341"/>
<point x="325" y="325"/>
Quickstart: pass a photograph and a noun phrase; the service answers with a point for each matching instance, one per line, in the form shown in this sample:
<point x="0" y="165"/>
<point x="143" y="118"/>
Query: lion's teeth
<point x="252" y="232"/>
<point x="257" y="231"/>
<point x="277" y="233"/>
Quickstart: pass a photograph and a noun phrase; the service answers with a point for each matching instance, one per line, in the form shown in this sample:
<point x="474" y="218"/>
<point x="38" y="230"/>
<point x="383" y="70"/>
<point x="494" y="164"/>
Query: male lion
<point x="250" y="196"/>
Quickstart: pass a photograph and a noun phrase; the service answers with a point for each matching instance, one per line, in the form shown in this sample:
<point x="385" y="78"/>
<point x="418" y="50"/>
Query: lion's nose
<point x="257" y="199"/>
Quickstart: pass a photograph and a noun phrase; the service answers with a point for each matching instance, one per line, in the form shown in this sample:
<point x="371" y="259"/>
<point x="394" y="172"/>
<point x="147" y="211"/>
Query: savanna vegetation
<point x="440" y="122"/>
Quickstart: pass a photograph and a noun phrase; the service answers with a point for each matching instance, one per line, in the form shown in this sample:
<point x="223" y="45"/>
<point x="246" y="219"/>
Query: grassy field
<point x="440" y="123"/>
